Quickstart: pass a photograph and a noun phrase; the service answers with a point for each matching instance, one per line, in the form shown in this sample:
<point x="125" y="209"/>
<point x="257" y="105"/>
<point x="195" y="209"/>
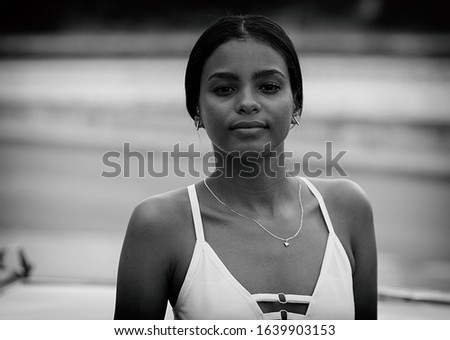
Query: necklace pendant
<point x="286" y="244"/>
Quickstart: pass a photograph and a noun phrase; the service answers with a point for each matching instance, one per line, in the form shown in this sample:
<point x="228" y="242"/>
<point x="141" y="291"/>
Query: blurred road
<point x="58" y="117"/>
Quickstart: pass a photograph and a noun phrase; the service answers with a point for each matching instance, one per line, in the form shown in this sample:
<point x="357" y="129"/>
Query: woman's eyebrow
<point x="256" y="75"/>
<point x="223" y="75"/>
<point x="266" y="73"/>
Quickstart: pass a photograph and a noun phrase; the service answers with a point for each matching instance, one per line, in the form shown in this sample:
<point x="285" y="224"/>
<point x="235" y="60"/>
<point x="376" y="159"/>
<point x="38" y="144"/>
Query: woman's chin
<point x="250" y="150"/>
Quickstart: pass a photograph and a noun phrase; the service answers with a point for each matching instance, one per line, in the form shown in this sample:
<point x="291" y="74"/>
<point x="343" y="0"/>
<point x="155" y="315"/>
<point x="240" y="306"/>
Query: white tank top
<point x="210" y="292"/>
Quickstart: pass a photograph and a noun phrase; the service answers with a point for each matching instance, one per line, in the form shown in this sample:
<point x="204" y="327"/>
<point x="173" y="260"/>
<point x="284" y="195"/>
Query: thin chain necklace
<point x="285" y="240"/>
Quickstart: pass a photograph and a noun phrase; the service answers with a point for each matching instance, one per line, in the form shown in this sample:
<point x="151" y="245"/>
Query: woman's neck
<point x="257" y="183"/>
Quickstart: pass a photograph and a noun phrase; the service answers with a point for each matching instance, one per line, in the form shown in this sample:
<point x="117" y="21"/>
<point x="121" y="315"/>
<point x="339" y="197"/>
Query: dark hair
<point x="240" y="27"/>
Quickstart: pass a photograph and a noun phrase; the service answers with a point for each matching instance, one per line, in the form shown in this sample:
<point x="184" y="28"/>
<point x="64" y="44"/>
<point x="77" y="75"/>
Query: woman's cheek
<point x="215" y="113"/>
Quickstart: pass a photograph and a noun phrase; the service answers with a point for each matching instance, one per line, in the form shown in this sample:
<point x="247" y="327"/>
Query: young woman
<point x="249" y="242"/>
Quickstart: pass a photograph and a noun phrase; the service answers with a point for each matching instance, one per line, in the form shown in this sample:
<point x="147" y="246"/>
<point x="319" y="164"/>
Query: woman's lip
<point x="248" y="125"/>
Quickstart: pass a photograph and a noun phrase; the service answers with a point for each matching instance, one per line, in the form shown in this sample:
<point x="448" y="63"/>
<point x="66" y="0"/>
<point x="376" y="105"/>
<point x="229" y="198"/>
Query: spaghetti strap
<point x="195" y="208"/>
<point x="322" y="205"/>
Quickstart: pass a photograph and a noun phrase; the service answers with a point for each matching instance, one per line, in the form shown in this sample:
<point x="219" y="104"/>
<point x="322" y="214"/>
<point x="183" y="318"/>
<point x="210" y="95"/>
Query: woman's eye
<point x="270" y="88"/>
<point x="223" y="90"/>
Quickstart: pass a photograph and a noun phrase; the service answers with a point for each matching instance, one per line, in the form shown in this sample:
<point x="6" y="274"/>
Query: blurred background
<point x="81" y="78"/>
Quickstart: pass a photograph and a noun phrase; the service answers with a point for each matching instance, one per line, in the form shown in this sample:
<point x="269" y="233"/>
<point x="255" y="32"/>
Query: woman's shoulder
<point x="348" y="205"/>
<point x="161" y="215"/>
<point x="342" y="193"/>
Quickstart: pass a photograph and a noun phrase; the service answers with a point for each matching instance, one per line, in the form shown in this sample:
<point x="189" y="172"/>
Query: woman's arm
<point x="364" y="251"/>
<point x="143" y="276"/>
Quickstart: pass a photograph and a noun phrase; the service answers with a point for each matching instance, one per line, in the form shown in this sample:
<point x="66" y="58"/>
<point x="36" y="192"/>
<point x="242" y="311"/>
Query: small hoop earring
<point x="198" y="122"/>
<point x="198" y="119"/>
<point x="294" y="120"/>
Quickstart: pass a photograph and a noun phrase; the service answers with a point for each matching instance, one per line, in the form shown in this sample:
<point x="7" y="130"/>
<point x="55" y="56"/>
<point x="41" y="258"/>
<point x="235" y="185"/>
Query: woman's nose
<point x="247" y="103"/>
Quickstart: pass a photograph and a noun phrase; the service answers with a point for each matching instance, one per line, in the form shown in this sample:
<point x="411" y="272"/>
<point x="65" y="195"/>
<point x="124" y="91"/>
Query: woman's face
<point x="246" y="99"/>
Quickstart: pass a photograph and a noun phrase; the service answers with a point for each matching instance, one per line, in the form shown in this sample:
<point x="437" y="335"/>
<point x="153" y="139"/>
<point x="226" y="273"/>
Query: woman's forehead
<point x="244" y="56"/>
